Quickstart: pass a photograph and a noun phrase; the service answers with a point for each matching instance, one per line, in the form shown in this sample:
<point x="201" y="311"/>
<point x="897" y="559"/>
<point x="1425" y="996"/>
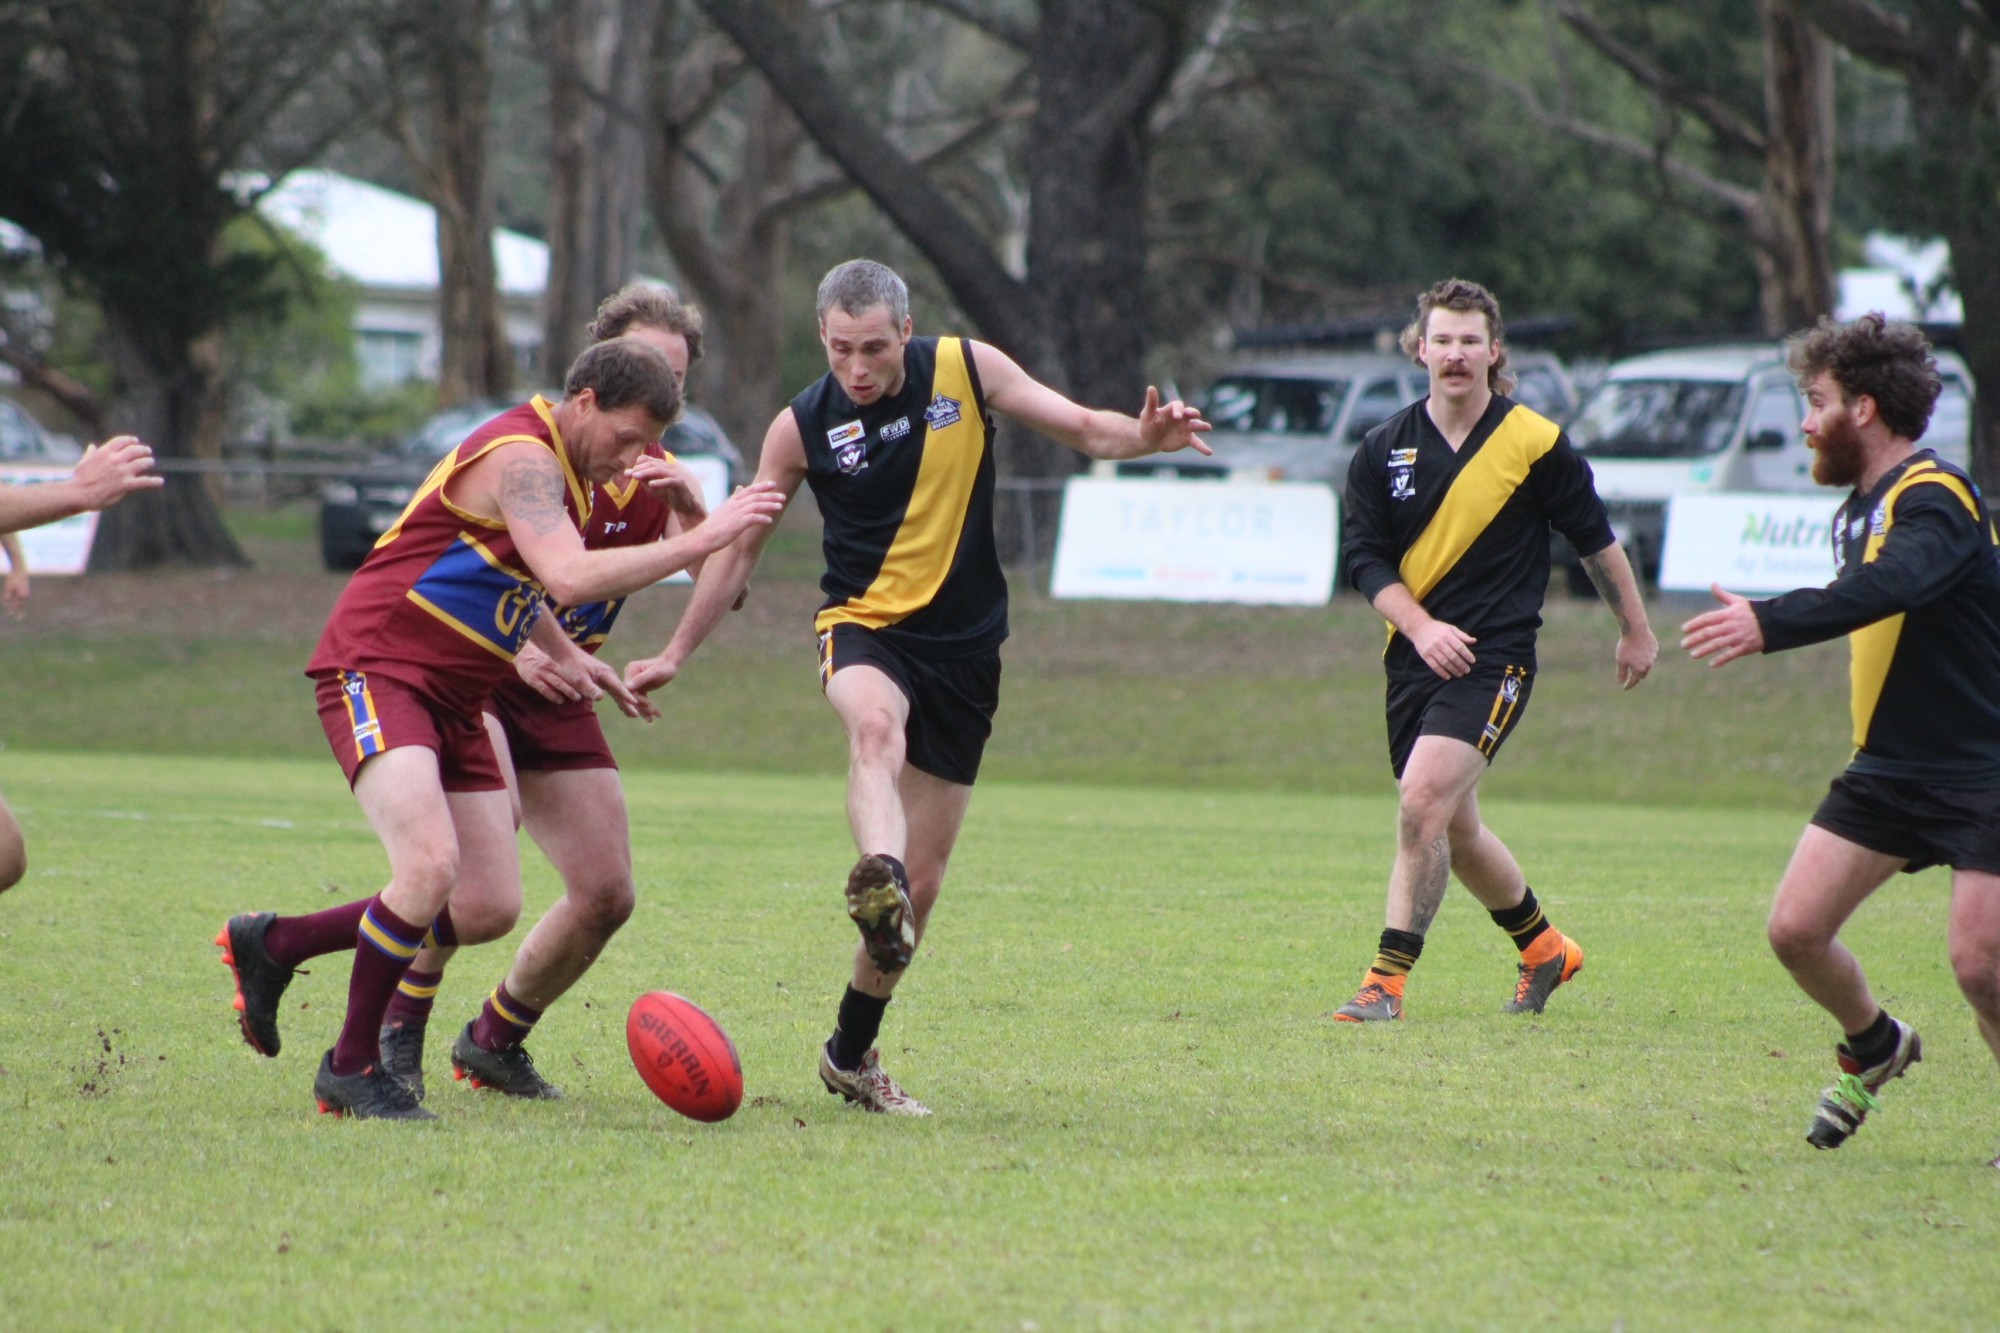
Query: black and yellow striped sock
<point x="1523" y="923"/>
<point x="1397" y="953"/>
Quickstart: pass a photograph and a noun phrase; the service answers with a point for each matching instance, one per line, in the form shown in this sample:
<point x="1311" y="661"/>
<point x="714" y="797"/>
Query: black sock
<point x="896" y="869"/>
<point x="1874" y="1043"/>
<point x="1397" y="953"/>
<point x="860" y="1019"/>
<point x="1524" y="923"/>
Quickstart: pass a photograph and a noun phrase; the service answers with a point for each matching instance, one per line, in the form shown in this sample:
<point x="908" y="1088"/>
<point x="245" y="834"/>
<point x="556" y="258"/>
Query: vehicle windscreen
<point x="1273" y="404"/>
<point x="1657" y="418"/>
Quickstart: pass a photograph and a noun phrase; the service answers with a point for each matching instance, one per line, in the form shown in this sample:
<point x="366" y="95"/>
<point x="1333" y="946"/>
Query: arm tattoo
<point x="1599" y="568"/>
<point x="531" y="492"/>
<point x="1432" y="880"/>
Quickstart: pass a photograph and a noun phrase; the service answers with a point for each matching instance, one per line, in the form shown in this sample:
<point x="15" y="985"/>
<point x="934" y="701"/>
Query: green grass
<point x="1144" y="1117"/>
<point x="1209" y="698"/>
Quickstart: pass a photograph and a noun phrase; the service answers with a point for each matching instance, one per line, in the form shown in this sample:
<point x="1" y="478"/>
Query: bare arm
<point x="781" y="467"/>
<point x="1158" y="429"/>
<point x="1612" y="574"/>
<point x="106" y="474"/>
<point x="523" y="486"/>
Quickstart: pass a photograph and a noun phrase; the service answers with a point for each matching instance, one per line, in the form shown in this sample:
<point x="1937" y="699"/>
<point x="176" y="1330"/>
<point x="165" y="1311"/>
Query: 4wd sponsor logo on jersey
<point x="942" y="412"/>
<point x="1402" y="474"/>
<point x="850" y="446"/>
<point x="895" y="430"/>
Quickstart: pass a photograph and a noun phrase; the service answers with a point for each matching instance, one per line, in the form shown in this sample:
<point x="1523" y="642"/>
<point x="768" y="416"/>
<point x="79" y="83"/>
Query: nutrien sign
<point x="1749" y="543"/>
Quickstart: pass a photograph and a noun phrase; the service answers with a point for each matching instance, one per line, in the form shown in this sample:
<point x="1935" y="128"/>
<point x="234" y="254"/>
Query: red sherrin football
<point x="688" y="1062"/>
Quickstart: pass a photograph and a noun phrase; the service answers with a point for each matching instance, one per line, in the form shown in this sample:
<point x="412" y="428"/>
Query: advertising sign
<point x="1196" y="541"/>
<point x="62" y="547"/>
<point x="1748" y="543"/>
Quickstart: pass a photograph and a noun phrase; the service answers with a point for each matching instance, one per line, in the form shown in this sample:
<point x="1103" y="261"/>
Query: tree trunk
<point x="1099" y="68"/>
<point x="1795" y="216"/>
<point x="169" y="394"/>
<point x="458" y="71"/>
<point x="599" y="52"/>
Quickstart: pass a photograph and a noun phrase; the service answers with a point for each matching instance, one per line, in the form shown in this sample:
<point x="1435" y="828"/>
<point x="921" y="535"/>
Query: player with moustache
<point x="1918" y="596"/>
<point x="1446" y="531"/>
<point x="896" y="442"/>
<point x="560" y="772"/>
<point x="106" y="474"/>
<point x="429" y="625"/>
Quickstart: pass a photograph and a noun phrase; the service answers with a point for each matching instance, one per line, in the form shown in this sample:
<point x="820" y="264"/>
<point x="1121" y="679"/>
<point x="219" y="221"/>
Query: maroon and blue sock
<point x="503" y="1021"/>
<point x="411" y="1005"/>
<point x="291" y="940"/>
<point x="384" y="944"/>
<point x="417" y="991"/>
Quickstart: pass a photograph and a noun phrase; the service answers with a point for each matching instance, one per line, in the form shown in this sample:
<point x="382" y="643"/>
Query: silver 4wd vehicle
<point x="1301" y="417"/>
<point x="1706" y="419"/>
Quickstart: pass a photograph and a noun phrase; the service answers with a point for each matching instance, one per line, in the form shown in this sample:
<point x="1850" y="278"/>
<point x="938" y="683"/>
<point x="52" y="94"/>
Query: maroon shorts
<point x="545" y="737"/>
<point x="364" y="715"/>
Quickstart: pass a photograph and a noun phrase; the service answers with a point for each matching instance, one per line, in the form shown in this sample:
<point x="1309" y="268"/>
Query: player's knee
<point x="1796" y="939"/>
<point x="1422" y="817"/>
<point x="1977" y="968"/>
<point x="476" y="922"/>
<point x="603" y="909"/>
<point x="877" y="738"/>
<point x="13" y="863"/>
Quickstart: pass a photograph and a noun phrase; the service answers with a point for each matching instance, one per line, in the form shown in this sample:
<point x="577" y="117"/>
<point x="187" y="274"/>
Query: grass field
<point x="1144" y="1117"/>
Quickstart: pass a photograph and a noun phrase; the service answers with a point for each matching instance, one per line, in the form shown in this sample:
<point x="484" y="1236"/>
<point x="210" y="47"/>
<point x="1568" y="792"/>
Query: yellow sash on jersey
<point x="1476" y="496"/>
<point x="451" y="463"/>
<point x="926" y="544"/>
<point x="1873" y="647"/>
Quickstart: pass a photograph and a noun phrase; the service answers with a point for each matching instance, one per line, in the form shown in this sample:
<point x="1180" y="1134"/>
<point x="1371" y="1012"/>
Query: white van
<point x="1725" y="418"/>
<point x="1301" y="417"/>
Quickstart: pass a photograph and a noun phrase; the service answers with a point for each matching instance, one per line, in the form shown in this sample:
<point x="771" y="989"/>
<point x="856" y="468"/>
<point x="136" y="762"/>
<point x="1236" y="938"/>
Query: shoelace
<point x="1527" y="979"/>
<point x="1373" y="993"/>
<point x="1849" y="1088"/>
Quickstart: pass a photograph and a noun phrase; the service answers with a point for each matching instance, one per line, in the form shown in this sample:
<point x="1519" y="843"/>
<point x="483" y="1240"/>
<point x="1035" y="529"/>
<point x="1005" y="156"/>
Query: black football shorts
<point x="1480" y="708"/>
<point x="952" y="699"/>
<point x="1926" y="825"/>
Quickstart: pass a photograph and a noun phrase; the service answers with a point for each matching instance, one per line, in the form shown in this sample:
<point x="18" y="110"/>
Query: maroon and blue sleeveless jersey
<point x="621" y="514"/>
<point x="444" y="601"/>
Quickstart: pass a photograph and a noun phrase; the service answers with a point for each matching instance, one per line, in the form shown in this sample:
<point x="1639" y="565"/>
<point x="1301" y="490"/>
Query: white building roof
<point x="383" y="239"/>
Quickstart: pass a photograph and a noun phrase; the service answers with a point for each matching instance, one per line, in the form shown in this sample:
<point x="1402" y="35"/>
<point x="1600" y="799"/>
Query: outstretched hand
<point x="1170" y="427"/>
<point x="1726" y="633"/>
<point x="109" y="472"/>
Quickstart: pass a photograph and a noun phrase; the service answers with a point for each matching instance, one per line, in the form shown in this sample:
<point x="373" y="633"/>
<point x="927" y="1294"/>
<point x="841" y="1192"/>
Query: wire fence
<point x="1026" y="510"/>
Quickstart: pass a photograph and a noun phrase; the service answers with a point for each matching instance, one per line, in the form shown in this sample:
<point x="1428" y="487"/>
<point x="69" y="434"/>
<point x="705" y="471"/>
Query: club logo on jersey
<point x="1878" y="522"/>
<point x="895" y="430"/>
<point x="1402" y="474"/>
<point x="850" y="446"/>
<point x="942" y="412"/>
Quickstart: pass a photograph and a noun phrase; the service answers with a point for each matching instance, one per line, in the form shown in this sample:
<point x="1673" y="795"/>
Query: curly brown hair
<point x="1887" y="360"/>
<point x="643" y="305"/>
<point x="1463" y="296"/>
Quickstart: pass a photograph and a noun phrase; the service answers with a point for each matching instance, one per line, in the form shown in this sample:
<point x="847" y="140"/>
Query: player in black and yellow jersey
<point x="1446" y="531"/>
<point x="896" y="442"/>
<point x="1918" y="595"/>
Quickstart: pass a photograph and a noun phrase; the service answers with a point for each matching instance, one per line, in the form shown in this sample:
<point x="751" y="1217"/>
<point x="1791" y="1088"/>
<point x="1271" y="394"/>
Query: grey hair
<point x="860" y="285"/>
